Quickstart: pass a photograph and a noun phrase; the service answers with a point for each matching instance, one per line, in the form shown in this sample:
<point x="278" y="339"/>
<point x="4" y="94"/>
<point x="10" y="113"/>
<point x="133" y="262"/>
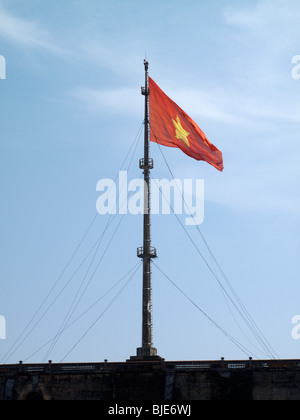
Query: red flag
<point x="172" y="127"/>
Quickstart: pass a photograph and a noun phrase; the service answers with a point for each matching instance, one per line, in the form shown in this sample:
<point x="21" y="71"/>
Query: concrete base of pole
<point x="146" y="354"/>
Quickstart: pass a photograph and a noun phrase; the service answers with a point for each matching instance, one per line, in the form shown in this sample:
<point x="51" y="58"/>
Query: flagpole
<point x="146" y="252"/>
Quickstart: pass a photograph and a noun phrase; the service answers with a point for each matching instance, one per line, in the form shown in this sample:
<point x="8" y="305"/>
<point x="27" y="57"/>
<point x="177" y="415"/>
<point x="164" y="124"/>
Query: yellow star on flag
<point x="180" y="131"/>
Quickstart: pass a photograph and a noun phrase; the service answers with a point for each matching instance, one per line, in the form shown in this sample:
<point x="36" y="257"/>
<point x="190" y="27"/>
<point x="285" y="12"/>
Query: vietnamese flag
<point x="172" y="127"/>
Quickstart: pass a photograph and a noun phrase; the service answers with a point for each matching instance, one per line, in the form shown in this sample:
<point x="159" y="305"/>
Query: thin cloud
<point x="26" y="33"/>
<point x="208" y="104"/>
<point x="240" y="194"/>
<point x="265" y="16"/>
<point x="251" y="186"/>
<point x="222" y="105"/>
<point x="110" y="56"/>
<point x="112" y="101"/>
<point x="265" y="36"/>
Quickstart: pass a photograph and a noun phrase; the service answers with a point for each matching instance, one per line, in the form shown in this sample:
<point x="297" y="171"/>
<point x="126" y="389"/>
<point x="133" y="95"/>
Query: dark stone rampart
<point x="159" y="381"/>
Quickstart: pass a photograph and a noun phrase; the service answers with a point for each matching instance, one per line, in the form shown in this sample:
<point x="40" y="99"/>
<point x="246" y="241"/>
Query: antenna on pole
<point x="146" y="252"/>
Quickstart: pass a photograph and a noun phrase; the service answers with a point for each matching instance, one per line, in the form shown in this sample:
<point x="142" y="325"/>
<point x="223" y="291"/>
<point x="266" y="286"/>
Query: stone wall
<point x="158" y="381"/>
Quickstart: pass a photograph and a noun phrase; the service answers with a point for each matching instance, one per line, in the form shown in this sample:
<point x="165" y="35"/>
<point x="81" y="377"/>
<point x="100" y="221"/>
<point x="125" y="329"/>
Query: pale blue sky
<point x="70" y="109"/>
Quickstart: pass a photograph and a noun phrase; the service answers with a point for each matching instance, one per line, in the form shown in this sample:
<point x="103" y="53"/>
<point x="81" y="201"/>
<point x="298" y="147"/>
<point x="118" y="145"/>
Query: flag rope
<point x="239" y="306"/>
<point x="28" y="329"/>
<point x="231" y="338"/>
